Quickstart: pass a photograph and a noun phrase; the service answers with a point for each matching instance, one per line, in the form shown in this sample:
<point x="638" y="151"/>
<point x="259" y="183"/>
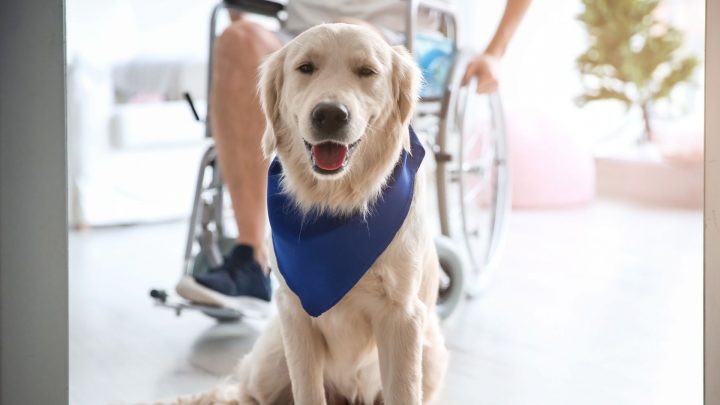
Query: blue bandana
<point x="320" y="256"/>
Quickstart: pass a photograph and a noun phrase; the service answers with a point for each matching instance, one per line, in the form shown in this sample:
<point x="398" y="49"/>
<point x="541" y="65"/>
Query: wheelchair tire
<point x="452" y="282"/>
<point x="473" y="178"/>
<point x="483" y="215"/>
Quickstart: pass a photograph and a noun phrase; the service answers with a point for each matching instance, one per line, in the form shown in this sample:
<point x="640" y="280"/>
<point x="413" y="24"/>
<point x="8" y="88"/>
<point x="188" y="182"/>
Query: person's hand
<point x="486" y="68"/>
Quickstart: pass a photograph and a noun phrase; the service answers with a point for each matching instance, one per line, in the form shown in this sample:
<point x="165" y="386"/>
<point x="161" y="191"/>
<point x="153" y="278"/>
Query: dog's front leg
<point x="398" y="333"/>
<point x="303" y="351"/>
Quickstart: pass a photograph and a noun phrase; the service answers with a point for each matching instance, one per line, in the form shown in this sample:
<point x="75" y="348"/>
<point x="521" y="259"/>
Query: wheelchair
<point x="463" y="131"/>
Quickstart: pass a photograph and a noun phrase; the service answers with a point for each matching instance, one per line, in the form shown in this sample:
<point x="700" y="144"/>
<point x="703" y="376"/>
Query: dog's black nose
<point x="328" y="118"/>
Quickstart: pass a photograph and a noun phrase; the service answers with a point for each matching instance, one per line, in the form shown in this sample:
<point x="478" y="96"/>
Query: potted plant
<point x="633" y="57"/>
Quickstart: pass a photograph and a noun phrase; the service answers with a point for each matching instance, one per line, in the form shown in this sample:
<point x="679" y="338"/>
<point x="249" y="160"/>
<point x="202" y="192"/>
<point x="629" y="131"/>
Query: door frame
<point x="712" y="206"/>
<point x="33" y="204"/>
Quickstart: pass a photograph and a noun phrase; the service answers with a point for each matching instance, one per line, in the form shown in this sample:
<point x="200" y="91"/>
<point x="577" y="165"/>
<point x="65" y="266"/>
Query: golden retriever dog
<point x="382" y="342"/>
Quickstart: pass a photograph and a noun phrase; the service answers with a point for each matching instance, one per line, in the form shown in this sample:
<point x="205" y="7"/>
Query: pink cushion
<point x="549" y="168"/>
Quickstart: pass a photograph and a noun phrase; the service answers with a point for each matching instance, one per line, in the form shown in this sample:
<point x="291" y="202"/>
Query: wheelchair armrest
<point x="269" y="8"/>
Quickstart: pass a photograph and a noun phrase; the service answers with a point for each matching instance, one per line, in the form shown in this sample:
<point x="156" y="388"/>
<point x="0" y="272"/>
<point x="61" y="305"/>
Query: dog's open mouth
<point x="330" y="157"/>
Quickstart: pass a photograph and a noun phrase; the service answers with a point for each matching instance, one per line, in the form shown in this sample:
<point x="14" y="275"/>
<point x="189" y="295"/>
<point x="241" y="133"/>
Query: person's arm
<point x="486" y="66"/>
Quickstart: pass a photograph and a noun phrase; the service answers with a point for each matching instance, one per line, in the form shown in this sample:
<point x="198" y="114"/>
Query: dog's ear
<point x="269" y="89"/>
<point x="406" y="86"/>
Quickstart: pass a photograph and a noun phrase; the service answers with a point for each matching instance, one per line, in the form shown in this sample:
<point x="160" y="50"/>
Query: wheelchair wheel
<point x="473" y="183"/>
<point x="452" y="276"/>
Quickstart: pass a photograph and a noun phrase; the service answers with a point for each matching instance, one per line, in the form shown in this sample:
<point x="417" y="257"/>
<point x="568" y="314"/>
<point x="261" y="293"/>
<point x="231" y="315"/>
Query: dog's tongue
<point x="329" y="155"/>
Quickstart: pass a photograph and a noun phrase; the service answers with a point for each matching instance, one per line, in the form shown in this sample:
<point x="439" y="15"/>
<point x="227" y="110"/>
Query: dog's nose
<point x="328" y="118"/>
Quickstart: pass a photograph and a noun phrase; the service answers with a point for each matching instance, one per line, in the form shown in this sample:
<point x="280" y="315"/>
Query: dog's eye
<point x="306" y="68"/>
<point x="365" y="71"/>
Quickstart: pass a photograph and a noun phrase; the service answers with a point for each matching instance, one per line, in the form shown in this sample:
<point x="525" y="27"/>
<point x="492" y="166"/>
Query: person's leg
<point x="237" y="125"/>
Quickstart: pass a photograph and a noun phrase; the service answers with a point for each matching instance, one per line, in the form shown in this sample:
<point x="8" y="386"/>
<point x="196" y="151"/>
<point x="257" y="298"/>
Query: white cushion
<point x="167" y="78"/>
<point x="161" y="124"/>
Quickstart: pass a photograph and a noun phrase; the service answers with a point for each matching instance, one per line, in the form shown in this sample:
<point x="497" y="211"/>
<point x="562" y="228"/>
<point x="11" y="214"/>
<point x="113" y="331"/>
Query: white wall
<point x="112" y="30"/>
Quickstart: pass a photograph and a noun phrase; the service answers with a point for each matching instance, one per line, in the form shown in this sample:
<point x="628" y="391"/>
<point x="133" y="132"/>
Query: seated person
<point x="238" y="123"/>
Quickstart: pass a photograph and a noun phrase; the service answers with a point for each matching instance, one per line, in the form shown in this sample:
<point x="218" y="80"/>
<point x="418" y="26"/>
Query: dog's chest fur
<point x="351" y="361"/>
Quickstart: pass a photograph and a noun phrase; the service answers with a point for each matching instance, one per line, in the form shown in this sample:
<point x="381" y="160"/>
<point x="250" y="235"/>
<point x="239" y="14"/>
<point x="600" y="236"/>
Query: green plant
<point x="632" y="56"/>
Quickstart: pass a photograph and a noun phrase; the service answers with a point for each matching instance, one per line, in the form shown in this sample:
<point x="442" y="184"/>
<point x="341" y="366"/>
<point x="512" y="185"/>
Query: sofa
<point x="133" y="143"/>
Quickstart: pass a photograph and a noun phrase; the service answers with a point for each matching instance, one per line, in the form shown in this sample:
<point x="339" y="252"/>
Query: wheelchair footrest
<point x="178" y="305"/>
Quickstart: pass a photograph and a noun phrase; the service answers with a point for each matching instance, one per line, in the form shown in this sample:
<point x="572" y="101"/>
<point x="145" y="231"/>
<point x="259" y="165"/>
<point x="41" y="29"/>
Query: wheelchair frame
<point x="206" y="241"/>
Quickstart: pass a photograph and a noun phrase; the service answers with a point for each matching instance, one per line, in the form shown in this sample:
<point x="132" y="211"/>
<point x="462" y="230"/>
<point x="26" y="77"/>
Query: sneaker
<point x="237" y="282"/>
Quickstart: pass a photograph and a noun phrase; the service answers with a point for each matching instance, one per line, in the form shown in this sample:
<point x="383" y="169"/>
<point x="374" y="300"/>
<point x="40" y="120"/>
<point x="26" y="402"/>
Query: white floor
<point x="598" y="305"/>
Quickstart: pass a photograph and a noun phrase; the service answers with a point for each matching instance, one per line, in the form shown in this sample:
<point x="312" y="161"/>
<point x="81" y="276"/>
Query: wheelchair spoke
<point x="474" y="193"/>
<point x="469" y="147"/>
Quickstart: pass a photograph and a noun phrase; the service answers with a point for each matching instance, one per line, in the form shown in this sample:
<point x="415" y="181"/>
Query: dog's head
<point x="338" y="100"/>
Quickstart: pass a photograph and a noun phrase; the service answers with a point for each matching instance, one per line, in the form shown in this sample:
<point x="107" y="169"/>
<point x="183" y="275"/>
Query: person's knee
<point x="245" y="43"/>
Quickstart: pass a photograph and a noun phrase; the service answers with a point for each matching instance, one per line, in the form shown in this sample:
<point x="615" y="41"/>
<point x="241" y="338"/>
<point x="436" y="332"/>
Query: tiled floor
<point x="598" y="305"/>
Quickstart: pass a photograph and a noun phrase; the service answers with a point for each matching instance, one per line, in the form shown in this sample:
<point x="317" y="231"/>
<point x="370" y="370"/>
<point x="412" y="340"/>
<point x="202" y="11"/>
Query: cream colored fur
<point x="382" y="341"/>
